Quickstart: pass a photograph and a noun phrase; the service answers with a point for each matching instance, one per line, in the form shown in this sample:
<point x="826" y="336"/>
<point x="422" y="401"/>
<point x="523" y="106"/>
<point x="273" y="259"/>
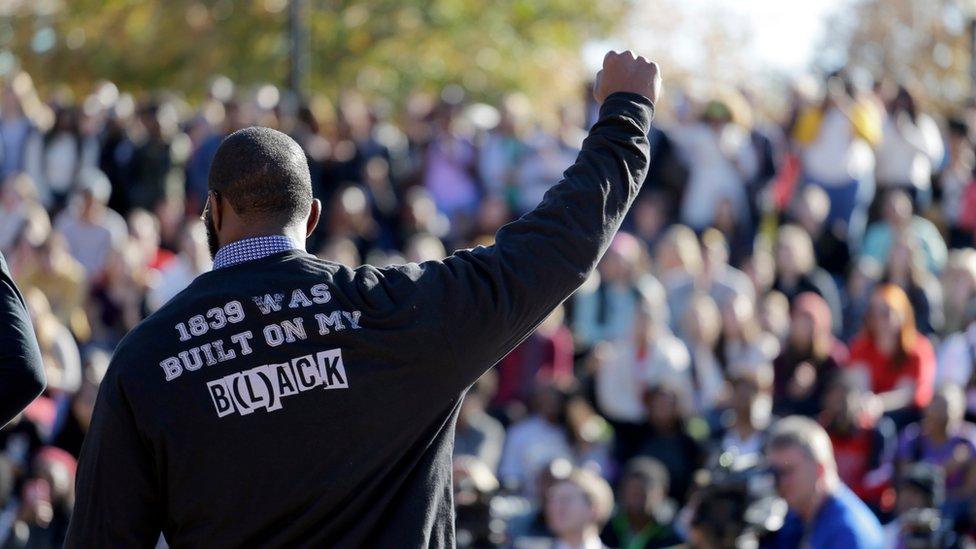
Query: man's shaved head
<point x="264" y="176"/>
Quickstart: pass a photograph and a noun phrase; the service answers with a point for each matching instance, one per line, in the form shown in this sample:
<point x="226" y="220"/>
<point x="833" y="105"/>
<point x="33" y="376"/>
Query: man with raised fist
<point x="281" y="400"/>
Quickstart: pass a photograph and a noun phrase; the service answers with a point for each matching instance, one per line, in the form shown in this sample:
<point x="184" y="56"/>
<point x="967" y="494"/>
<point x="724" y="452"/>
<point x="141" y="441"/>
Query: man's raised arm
<point x="21" y="370"/>
<point x="486" y="300"/>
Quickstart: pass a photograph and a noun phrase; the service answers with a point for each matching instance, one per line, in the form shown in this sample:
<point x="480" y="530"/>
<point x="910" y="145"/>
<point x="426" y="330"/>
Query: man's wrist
<point x="631" y="102"/>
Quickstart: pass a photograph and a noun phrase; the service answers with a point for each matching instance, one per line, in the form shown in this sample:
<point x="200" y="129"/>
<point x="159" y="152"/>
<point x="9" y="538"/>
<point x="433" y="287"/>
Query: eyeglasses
<point x="206" y="204"/>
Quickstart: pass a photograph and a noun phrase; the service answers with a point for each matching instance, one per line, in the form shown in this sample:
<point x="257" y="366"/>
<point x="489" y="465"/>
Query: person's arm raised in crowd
<point x="483" y="302"/>
<point x="21" y="369"/>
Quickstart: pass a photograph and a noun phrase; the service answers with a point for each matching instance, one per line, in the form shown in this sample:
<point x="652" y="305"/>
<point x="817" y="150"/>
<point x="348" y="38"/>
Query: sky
<point x="783" y="33"/>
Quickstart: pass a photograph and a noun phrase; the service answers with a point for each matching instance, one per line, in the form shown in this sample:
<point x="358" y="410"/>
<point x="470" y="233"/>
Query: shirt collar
<point x="251" y="249"/>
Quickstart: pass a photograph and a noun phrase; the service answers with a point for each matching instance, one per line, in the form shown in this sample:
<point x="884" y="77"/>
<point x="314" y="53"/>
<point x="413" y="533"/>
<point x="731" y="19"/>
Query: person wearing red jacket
<point x="897" y="361"/>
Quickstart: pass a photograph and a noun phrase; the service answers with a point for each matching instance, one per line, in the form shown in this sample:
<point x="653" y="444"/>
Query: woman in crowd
<point x="906" y="270"/>
<point x="911" y="149"/>
<point x="897" y="361"/>
<point x="668" y="440"/>
<point x="810" y="359"/>
<point x="702" y="325"/>
<point x="797" y="271"/>
<point x="604" y="308"/>
<point x="625" y="370"/>
<point x="719" y="153"/>
<point x="835" y="139"/>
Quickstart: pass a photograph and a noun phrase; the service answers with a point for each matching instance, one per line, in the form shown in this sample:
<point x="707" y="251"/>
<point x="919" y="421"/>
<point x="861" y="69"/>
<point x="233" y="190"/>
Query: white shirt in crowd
<point x="622" y="378"/>
<point x="909" y="151"/>
<point x="837" y="156"/>
<point x="721" y="162"/>
<point x="531" y="445"/>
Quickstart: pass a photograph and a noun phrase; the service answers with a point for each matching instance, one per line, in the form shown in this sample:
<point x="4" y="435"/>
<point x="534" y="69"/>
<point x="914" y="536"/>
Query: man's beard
<point x="212" y="242"/>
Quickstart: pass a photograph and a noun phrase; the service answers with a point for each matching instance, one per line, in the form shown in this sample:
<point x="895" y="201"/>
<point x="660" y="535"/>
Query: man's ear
<point x="314" y="214"/>
<point x="216" y="210"/>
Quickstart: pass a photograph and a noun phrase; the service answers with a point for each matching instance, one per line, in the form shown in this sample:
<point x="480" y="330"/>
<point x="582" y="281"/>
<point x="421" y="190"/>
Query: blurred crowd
<point x="818" y="262"/>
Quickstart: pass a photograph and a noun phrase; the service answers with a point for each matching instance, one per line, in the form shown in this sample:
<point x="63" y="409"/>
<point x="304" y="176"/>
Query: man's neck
<point x="809" y="513"/>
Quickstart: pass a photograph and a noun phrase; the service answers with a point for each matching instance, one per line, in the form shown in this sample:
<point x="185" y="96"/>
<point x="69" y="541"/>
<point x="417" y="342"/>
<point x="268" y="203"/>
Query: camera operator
<point x="824" y="513"/>
<point x="919" y="523"/>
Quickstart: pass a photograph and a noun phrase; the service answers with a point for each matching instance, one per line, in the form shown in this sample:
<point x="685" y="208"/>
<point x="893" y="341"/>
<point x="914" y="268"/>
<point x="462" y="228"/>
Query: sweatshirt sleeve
<point x="484" y="301"/>
<point x="118" y="502"/>
<point x="21" y="369"/>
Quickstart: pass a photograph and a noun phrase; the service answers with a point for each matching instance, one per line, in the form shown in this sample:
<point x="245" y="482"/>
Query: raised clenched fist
<point x="622" y="72"/>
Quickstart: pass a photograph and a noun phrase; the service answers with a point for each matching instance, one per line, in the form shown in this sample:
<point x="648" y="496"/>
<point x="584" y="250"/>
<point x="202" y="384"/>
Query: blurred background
<point x="803" y="243"/>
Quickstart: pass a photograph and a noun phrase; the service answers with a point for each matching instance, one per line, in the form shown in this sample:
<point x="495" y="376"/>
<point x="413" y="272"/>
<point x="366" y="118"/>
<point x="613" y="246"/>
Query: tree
<point x="383" y="47"/>
<point x="923" y="43"/>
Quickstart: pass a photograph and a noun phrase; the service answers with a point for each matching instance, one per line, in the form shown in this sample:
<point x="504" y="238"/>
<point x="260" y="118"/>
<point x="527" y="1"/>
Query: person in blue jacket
<point x="823" y="513"/>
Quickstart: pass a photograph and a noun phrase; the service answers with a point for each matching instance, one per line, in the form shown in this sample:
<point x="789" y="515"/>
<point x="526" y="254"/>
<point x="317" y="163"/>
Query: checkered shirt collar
<point x="250" y="249"/>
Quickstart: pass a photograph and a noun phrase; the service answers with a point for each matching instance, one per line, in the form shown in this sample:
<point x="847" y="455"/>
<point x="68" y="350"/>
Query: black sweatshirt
<point x="289" y="401"/>
<point x="21" y="370"/>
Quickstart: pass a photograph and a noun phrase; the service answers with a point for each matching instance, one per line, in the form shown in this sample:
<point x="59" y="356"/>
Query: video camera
<point x="737" y="503"/>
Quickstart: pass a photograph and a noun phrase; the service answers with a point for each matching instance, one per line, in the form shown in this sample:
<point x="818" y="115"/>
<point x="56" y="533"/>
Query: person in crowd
<point x="668" y="439"/>
<point x="590" y="436"/>
<point x="17" y="129"/>
<point x="716" y="278"/>
<point x="719" y="154"/>
<point x="958" y="285"/>
<point x="450" y="166"/>
<point x="545" y="357"/>
<point x="797" y="271"/>
<point x="74" y="416"/>
<point x="864" y="443"/>
<point x="677" y="257"/>
<point x="811" y="357"/>
<point x="502" y="148"/>
<point x="956" y="363"/>
<point x="144" y="232"/>
<point x="944" y="439"/>
<point x="831" y="248"/>
<point x="824" y="513"/>
<point x="920" y="494"/>
<point x="91" y="229"/>
<point x="61" y="278"/>
<point x="954" y="183"/>
<point x="743" y="424"/>
<point x="18" y="202"/>
<point x="576" y="510"/>
<point x="541" y="163"/>
<point x="702" y="326"/>
<point x="191" y="260"/>
<point x="911" y="149"/>
<point x="118" y="297"/>
<point x="626" y="369"/>
<point x="604" y="308"/>
<point x="151" y="159"/>
<point x="897" y="361"/>
<point x="865" y="274"/>
<point x="57" y="161"/>
<point x="906" y="270"/>
<point x="898" y="221"/>
<point x="644" y="514"/>
<point x="478" y="434"/>
<point x="475" y="486"/>
<point x="62" y="360"/>
<point x="835" y="141"/>
<point x="743" y="341"/>
<point x="534" y="442"/>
